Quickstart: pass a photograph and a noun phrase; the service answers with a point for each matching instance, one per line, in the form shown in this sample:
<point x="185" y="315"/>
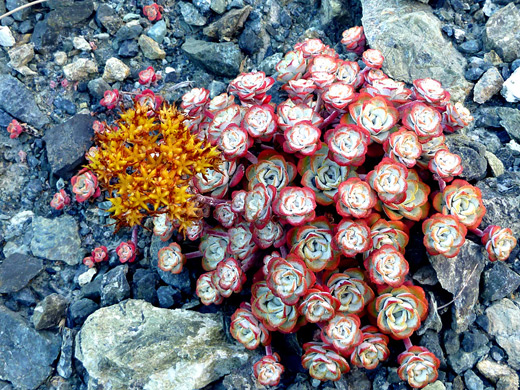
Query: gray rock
<point x="80" y="43"/>
<point x="488" y="85"/>
<point x="487" y="138"/>
<point x="411" y="40"/>
<point x="228" y="26"/>
<point x="332" y="9"/>
<point x="191" y="15"/>
<point x="431" y="341"/>
<point x="108" y="18"/>
<point x="6" y="37"/>
<point x="21" y="55"/>
<point x="510" y="120"/>
<point x="57" y="239"/>
<point x="131" y="30"/>
<point x="151" y="348"/>
<point x="80" y="69"/>
<point x="473" y="382"/>
<point x="461" y="361"/>
<point x="474" y="340"/>
<point x="474" y="162"/>
<point x="14" y="178"/>
<point x="21" y="15"/>
<point x="501" y="33"/>
<point x="18" y="101"/>
<point x="158" y="31"/>
<point x="44" y="37"/>
<point x="437" y="385"/>
<point x="98" y="87"/>
<point x="150" y="48"/>
<point x="219" y="58"/>
<point x="64" y="367"/>
<point x="26" y="356"/>
<point x="16" y="271"/>
<point x="496" y="165"/>
<point x="114" y="286"/>
<point x="219" y="6"/>
<point x="180" y="281"/>
<point x="470" y="47"/>
<point x="128" y="49"/>
<point x="115" y="70"/>
<point x="503" y="322"/>
<point x="493" y="371"/>
<point x="499" y="282"/>
<point x="460" y="276"/>
<point x="451" y="342"/>
<point x="72" y="14"/>
<point x="49" y="312"/>
<point x="433" y="321"/>
<point x="511" y="89"/>
<point x="81" y="309"/>
<point x="143" y="285"/>
<point x="67" y="144"/>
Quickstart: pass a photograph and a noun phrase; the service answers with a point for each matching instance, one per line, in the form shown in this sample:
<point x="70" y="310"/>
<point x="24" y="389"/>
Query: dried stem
<point x="22" y="7"/>
<point x="210" y="200"/>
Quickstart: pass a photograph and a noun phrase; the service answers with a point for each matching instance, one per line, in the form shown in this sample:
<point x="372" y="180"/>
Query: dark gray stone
<point x="510" y="120"/>
<point x="431" y="341"/>
<point x="67" y="144"/>
<point x="472" y="381"/>
<point x="49" y="312"/>
<point x="470" y="47"/>
<point x="219" y="58"/>
<point x="451" y="342"/>
<point x="180" y="281"/>
<point x="461" y="361"/>
<point x="499" y="282"/>
<point x="16" y="271"/>
<point x="158" y="31"/>
<point x="64" y="366"/>
<point x="114" y="286"/>
<point x="474" y="340"/>
<point x="228" y="26"/>
<point x="433" y="320"/>
<point x="65" y="105"/>
<point x="44" y="37"/>
<point x="17" y="100"/>
<point x="143" y="285"/>
<point x="98" y="87"/>
<point x="69" y="15"/>
<point x="26" y="356"/>
<point x="20" y="15"/>
<point x="472" y="153"/>
<point x="25" y="297"/>
<point x="81" y="309"/>
<point x="129" y="31"/>
<point x="166" y="296"/>
<point x="128" y="49"/>
<point x="107" y="17"/>
<point x="502" y="33"/>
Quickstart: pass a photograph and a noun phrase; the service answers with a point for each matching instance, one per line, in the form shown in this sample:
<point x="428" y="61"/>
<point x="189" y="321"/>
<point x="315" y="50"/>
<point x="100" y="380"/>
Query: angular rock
<point x="489" y="84"/>
<point x="57" y="239"/>
<point x="409" y="36"/>
<point x="16" y="271"/>
<point x="67" y="144"/>
<point x="114" y="286"/>
<point x="228" y="26"/>
<point x="26" y="356"/>
<point x="49" y="312"/>
<point x="64" y="367"/>
<point x="80" y="69"/>
<point x="219" y="58"/>
<point x="191" y="15"/>
<point x="98" y="87"/>
<point x="332" y="9"/>
<point x="503" y="322"/>
<point x="17" y="100"/>
<point x="6" y="37"/>
<point x="511" y="89"/>
<point x="154" y="348"/>
<point x="460" y="276"/>
<point x="494" y="371"/>
<point x="510" y="120"/>
<point x="502" y="33"/>
<point x="19" y="15"/>
<point x="496" y="165"/>
<point x="81" y="309"/>
<point x="72" y="14"/>
<point x="461" y="361"/>
<point x="143" y="285"/>
<point x="115" y="70"/>
<point x="473" y="382"/>
<point x="14" y="178"/>
<point x="437" y="385"/>
<point x="130" y="30"/>
<point x="44" y="37"/>
<point x="472" y="153"/>
<point x="150" y="48"/>
<point x="80" y="43"/>
<point x="21" y="55"/>
<point x="499" y="282"/>
<point x="108" y="18"/>
<point x="158" y="31"/>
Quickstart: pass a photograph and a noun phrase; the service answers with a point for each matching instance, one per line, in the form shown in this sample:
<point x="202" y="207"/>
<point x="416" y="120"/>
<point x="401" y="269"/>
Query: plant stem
<point x="362" y="176"/>
<point x="442" y="183"/>
<point x="329" y="120"/>
<point x="135" y="229"/>
<point x="192" y="255"/>
<point x="22" y="7"/>
<point x="477" y="231"/>
<point x="210" y="200"/>
<point x="408" y="343"/>
<point x="251" y="157"/>
<point x="268" y="350"/>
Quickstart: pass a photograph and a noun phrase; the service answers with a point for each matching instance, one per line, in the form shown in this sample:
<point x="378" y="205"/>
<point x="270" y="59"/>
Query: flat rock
<point x="16" y="271"/>
<point x="57" y="239"/>
<point x="67" y="144"/>
<point x="219" y="58"/>
<point x="69" y="15"/>
<point x="155" y="349"/>
<point x="462" y="273"/>
<point x="502" y="34"/>
<point x="489" y="84"/>
<point x="26" y="356"/>
<point x="49" y="312"/>
<point x="18" y="101"/>
<point x="228" y="26"/>
<point x="410" y="37"/>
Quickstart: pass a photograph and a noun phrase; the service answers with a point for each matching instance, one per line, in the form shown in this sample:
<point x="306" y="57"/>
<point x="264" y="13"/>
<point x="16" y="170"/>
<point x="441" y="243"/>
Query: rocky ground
<point x="56" y="61"/>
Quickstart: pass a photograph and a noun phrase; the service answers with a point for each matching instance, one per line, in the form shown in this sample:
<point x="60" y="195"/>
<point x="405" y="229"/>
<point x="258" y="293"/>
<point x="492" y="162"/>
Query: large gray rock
<point x="17" y="100"/>
<point x="460" y="276"/>
<point x="409" y="36"/>
<point x="155" y="349"/>
<point x="57" y="239"/>
<point x="17" y="271"/>
<point x="26" y="356"/>
<point x="503" y="322"/>
<point x="502" y="33"/>
<point x="67" y="144"/>
<point x="66" y="15"/>
<point x="499" y="282"/>
<point x="219" y="58"/>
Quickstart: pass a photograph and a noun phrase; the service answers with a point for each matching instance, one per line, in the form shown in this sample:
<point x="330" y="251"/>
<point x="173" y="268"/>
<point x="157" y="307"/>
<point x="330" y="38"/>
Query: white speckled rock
<point x="115" y="70"/>
<point x="6" y="37"/>
<point x="511" y="87"/>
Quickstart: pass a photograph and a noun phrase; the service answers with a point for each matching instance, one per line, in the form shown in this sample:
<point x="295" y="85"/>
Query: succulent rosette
<point x="374" y="114"/>
<point x="430" y="91"/>
<point x="238" y="201"/>
<point x="207" y="291"/>
<point x="499" y="242"/>
<point x="163" y="227"/>
<point x="257" y="204"/>
<point x="194" y="102"/>
<point x="99" y="254"/>
<point x="347" y="144"/>
<point x="312" y="243"/>
<point x="338" y="96"/>
<point x="149" y="99"/>
<point x="387" y="266"/>
<point x="295" y="205"/>
<point x="352" y="237"/>
<point x="300" y="90"/>
<point x="241" y="242"/>
<point x="351" y="290"/>
<point x="270" y="309"/>
<point x="268" y="371"/>
<point x="234" y="142"/>
<point x="390" y="89"/>
<point x="322" y="175"/>
<point x="272" y="234"/>
<point x="322" y="63"/>
<point x="343" y="332"/>
<point x="271" y="169"/>
<point x="194" y="230"/>
<point x="110" y="99"/>
<point x="374" y="75"/>
<point x="260" y="122"/>
<point x="213" y="248"/>
<point x="349" y="73"/>
<point x="443" y="235"/>
<point x="445" y="165"/>
<point x="225" y="215"/>
<point x="455" y="117"/>
<point x="418" y="366"/>
<point x="267" y="259"/>
<point x="217" y="182"/>
<point x="388" y="179"/>
<point x="248" y="330"/>
<point x="393" y="233"/>
<point x="372" y="350"/>
<point x="152" y="12"/>
<point x="289" y="279"/>
<point x="228" y="277"/>
<point x="462" y="200"/>
<point x="355" y="198"/>
<point x="404" y="147"/>
<point x="302" y="138"/>
<point x="85" y="185"/>
<point x="318" y="305"/>
<point x="147" y="76"/>
<point x="323" y="362"/>
<point x="292" y="66"/>
<point x="430" y="148"/>
<point x="222" y="119"/>
<point x="14" y="128"/>
<point x="354" y="39"/>
<point x="60" y="200"/>
<point x="423" y="119"/>
<point x="290" y="114"/>
<point x="220" y="102"/>
<point x="311" y="47"/>
<point x="89" y="262"/>
<point x="171" y="258"/>
<point x="251" y="88"/>
<point x="399" y="311"/>
<point x="373" y="58"/>
<point x="126" y="251"/>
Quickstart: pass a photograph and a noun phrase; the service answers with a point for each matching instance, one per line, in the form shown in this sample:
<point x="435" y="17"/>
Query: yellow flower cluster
<point x="146" y="163"/>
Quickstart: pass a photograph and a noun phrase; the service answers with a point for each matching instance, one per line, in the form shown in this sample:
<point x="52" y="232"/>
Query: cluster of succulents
<point x="311" y="200"/>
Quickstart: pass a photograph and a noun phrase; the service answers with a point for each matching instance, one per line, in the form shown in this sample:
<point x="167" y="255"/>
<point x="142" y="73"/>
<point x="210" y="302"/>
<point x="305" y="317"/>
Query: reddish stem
<point x="247" y="263"/>
<point x="251" y="157"/>
<point x="442" y="183"/>
<point x="329" y="120"/>
<point x="210" y="200"/>
<point x="209" y="114"/>
<point x="135" y="229"/>
<point x="408" y="343"/>
<point x="477" y="231"/>
<point x="283" y="251"/>
<point x="217" y="233"/>
<point x="268" y="350"/>
<point x="193" y="255"/>
<point x="362" y="176"/>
